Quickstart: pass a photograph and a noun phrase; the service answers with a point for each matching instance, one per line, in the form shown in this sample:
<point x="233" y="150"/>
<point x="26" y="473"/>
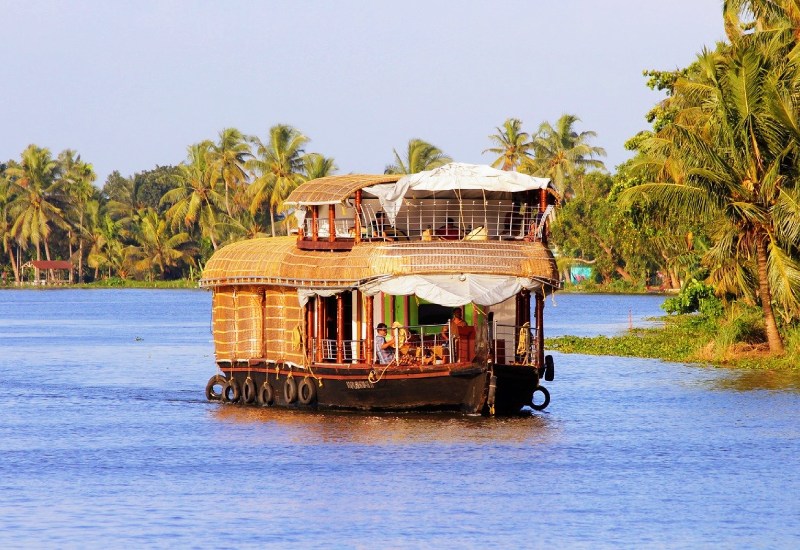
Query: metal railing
<point x="442" y="220"/>
<point x="514" y="344"/>
<point x="352" y="350"/>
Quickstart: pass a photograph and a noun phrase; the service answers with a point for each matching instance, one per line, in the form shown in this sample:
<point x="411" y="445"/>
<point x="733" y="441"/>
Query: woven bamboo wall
<point x="237" y="319"/>
<point x="282" y="325"/>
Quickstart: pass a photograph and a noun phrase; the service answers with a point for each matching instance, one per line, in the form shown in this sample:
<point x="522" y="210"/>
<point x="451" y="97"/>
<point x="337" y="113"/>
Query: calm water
<point x="106" y="440"/>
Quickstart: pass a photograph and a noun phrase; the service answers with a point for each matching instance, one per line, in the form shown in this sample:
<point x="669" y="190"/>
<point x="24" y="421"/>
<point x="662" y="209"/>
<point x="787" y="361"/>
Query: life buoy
<point x="215" y="381"/>
<point x="231" y="392"/>
<point x="549" y="368"/>
<point x="543" y="405"/>
<point x="249" y="391"/>
<point x="267" y="395"/>
<point x="290" y="390"/>
<point x="307" y="391"/>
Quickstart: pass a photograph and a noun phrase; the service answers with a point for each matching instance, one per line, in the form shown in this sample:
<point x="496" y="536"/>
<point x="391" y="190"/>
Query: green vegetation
<point x="728" y="342"/>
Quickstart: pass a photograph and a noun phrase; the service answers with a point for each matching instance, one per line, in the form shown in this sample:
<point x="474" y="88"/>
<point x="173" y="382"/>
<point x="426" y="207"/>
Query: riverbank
<point x="685" y="339"/>
<point x="113" y="282"/>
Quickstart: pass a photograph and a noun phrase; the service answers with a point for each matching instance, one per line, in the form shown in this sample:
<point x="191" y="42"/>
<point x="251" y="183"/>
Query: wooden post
<point x="309" y="351"/>
<point x="340" y="328"/>
<point x="357" y="223"/>
<point x="320" y="326"/>
<point x="331" y="223"/>
<point x="315" y="223"/>
<point x="539" y="330"/>
<point x="369" y="353"/>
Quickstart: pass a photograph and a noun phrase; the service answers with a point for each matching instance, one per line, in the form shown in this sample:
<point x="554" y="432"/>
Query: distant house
<point x="580" y="273"/>
<point x="48" y="272"/>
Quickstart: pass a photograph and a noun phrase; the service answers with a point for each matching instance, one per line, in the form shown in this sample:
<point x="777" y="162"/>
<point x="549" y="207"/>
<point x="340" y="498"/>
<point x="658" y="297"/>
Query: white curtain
<point x="454" y="290"/>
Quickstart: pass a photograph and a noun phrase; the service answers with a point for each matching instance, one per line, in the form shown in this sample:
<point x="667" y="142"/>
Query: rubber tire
<point x="549" y="368"/>
<point x="216" y="380"/>
<point x="307" y="391"/>
<point x="290" y="390"/>
<point x="546" y="402"/>
<point x="231" y="393"/>
<point x="249" y="392"/>
<point x="266" y="397"/>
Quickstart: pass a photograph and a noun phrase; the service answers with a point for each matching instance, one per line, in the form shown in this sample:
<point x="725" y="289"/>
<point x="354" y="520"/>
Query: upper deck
<point x="451" y="203"/>
<point x="457" y="234"/>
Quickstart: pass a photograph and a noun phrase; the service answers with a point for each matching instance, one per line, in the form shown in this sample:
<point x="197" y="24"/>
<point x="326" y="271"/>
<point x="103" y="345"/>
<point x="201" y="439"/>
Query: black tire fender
<point x="213" y="382"/>
<point x="543" y="405"/>
<point x="267" y="395"/>
<point x="290" y="390"/>
<point x="549" y="368"/>
<point x="307" y="391"/>
<point x="231" y="393"/>
<point x="249" y="391"/>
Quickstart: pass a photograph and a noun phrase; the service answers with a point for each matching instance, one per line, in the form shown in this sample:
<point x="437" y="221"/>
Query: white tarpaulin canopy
<point x="454" y="290"/>
<point x="457" y="177"/>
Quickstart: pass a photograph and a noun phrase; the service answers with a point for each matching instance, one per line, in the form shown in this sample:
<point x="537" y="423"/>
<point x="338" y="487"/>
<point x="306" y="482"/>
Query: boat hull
<point x="463" y="388"/>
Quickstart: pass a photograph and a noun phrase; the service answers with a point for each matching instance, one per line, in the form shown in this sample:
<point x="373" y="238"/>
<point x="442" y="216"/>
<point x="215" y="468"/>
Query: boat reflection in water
<point x="368" y="429"/>
<point x="448" y="265"/>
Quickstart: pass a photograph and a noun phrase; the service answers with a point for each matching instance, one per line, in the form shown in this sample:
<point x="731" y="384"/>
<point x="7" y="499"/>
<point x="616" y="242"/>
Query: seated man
<point x="449" y="231"/>
<point x="384" y="345"/>
<point x="458" y="318"/>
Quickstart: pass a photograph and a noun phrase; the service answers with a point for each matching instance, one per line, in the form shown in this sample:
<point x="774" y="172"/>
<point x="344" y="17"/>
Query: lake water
<point x="106" y="440"/>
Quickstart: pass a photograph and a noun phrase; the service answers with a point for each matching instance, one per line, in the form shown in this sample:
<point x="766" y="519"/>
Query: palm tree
<point x="512" y="145"/>
<point x="420" y="156"/>
<point x="77" y="184"/>
<point x="102" y="234"/>
<point x="731" y="156"/>
<point x="156" y="250"/>
<point x="278" y="168"/>
<point x="767" y="15"/>
<point x="6" y="222"/>
<point x="36" y="207"/>
<point x="196" y="203"/>
<point x="317" y="166"/>
<point x="243" y="226"/>
<point x="228" y="158"/>
<point x="560" y="152"/>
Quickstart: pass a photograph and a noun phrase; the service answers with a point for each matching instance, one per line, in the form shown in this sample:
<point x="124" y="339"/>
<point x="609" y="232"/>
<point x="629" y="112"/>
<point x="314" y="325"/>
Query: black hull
<point x="466" y="388"/>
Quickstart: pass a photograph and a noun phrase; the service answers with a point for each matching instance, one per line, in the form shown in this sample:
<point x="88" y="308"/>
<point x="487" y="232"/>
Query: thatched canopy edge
<point x="335" y="189"/>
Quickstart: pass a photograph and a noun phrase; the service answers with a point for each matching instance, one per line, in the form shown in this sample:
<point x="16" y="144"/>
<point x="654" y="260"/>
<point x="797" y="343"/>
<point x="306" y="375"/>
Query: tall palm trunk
<point x="14" y="266"/>
<point x="765" y="294"/>
<point x="80" y="250"/>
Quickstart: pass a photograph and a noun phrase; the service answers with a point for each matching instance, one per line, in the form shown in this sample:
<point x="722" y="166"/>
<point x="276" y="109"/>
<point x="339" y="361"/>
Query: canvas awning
<point x="464" y="180"/>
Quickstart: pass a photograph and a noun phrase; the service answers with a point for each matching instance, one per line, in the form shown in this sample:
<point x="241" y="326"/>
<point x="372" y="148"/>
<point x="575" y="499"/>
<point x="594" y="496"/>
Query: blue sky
<point x="130" y="85"/>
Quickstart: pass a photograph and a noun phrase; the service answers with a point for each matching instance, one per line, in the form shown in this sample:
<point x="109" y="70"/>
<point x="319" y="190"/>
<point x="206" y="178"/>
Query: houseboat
<point x="397" y="293"/>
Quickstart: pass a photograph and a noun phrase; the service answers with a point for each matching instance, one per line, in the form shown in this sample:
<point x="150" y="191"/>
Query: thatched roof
<point x="335" y="189"/>
<point x="278" y="261"/>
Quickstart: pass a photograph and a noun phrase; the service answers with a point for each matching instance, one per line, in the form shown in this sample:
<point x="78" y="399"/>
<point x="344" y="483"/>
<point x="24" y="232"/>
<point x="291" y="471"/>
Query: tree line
<point x="166" y="222"/>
